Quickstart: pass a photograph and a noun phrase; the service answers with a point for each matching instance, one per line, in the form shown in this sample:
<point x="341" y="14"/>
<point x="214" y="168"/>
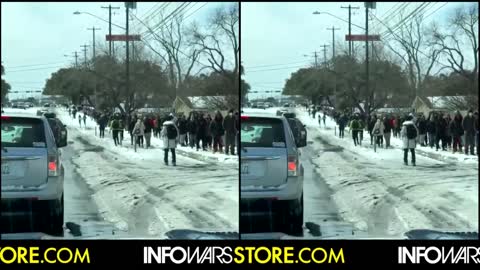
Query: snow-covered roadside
<point x="377" y="193"/>
<point x="142" y="196"/>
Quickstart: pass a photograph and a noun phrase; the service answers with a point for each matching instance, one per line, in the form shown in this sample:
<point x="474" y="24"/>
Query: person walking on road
<point x="422" y="130"/>
<point x="102" y="123"/>
<point x="324" y="117"/>
<point x="80" y="120"/>
<point x="431" y="131"/>
<point x="202" y="132"/>
<point x="468" y="125"/>
<point x="387" y="131"/>
<point x="409" y="135"/>
<point x="169" y="134"/>
<point x="208" y="136"/>
<point x="139" y="131"/>
<point x="115" y="126"/>
<point x="231" y="131"/>
<point x="131" y="125"/>
<point x="182" y="128"/>
<point x="147" y="122"/>
<point x="85" y="120"/>
<point x="354" y="127"/>
<point x="477" y="138"/>
<point x="377" y="132"/>
<point x="448" y="133"/>
<point x="456" y="129"/>
<point x="218" y="131"/>
<point x="361" y="124"/>
<point x="371" y="123"/>
<point x="192" y="129"/>
<point x="342" y="122"/>
<point x="440" y="135"/>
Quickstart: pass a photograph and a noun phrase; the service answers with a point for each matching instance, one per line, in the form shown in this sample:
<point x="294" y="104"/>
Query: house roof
<point x="425" y="101"/>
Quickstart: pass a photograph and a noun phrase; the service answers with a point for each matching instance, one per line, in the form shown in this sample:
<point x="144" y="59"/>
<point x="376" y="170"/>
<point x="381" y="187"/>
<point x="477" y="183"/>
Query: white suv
<point x="32" y="175"/>
<point x="271" y="173"/>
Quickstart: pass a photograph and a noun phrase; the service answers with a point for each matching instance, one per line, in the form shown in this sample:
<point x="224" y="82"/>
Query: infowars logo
<point x="434" y="255"/>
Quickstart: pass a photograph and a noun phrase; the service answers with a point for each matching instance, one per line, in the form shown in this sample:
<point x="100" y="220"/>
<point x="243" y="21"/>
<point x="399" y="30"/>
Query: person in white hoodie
<point x="409" y="134"/>
<point x="169" y="135"/>
<point x="139" y="131"/>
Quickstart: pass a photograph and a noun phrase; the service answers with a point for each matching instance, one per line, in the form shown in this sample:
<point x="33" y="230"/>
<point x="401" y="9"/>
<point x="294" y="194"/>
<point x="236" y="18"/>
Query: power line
<point x="33" y="65"/>
<point x="164" y="21"/>
<point x="417" y="49"/>
<point x="146" y="42"/>
<point x="404" y="20"/>
<point x="195" y="11"/>
<point x="436" y="10"/>
<point x="33" y="69"/>
<point x="271" y="65"/>
<point x="262" y="70"/>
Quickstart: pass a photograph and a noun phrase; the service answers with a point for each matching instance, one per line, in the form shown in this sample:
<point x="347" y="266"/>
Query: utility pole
<point x="93" y="30"/>
<point x="127" y="85"/>
<point x="84" y="54"/>
<point x="350" y="27"/>
<point x="76" y="59"/>
<point x="110" y="26"/>
<point x="316" y="63"/>
<point x="333" y="40"/>
<point x="324" y="54"/>
<point x="366" y="46"/>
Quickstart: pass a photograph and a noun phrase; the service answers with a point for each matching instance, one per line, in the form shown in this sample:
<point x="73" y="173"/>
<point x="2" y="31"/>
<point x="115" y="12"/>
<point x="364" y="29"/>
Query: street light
<point x="318" y="13"/>
<point x="78" y="13"/>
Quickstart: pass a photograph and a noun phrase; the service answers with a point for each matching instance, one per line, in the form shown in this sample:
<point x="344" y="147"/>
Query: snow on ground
<point x="379" y="194"/>
<point x="141" y="195"/>
<point x="92" y="128"/>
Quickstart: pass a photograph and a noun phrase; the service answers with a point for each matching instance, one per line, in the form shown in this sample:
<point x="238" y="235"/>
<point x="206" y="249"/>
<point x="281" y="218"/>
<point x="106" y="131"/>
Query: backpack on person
<point x="171" y="132"/>
<point x="411" y="132"/>
<point x="115" y="124"/>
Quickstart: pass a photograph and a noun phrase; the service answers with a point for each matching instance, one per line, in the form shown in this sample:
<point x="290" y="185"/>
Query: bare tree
<point x="412" y="42"/>
<point x="223" y="30"/>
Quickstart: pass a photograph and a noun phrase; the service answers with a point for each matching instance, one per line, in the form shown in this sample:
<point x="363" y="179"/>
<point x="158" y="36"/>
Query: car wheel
<point x="294" y="224"/>
<point x="55" y="222"/>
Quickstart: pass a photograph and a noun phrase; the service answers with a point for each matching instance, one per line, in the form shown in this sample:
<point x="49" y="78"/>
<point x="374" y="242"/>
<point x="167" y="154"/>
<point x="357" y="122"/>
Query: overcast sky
<point x="276" y="36"/>
<point x="37" y="35"/>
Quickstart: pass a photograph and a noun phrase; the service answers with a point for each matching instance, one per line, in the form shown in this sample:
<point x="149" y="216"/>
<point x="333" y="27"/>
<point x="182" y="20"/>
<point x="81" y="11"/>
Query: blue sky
<point x="283" y="32"/>
<point x="35" y="33"/>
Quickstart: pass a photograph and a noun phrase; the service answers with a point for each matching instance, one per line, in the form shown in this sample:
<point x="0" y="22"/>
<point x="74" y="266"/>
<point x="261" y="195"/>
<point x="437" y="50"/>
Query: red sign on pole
<point x="122" y="37"/>
<point x="362" y="37"/>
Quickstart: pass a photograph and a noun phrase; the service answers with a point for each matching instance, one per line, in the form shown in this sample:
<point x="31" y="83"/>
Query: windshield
<point x="144" y="135"/>
<point x="366" y="162"/>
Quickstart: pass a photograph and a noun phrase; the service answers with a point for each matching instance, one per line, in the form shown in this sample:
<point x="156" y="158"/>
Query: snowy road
<point x="352" y="190"/>
<point x="379" y="195"/>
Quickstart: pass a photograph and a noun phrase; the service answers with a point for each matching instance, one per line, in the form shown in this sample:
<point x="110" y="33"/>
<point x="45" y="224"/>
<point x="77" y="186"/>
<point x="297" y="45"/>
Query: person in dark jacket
<point x="456" y="130"/>
<point x="477" y="138"/>
<point x="102" y="122"/>
<point x="448" y="134"/>
<point x="218" y="131"/>
<point x="422" y="130"/>
<point x="468" y="125"/>
<point x="342" y="122"/>
<point x="131" y="125"/>
<point x="148" y="130"/>
<point x="192" y="129"/>
<point x="230" y="133"/>
<point x="387" y="131"/>
<point x="202" y="132"/>
<point x="431" y="131"/>
<point x="208" y="136"/>
<point x="440" y="128"/>
<point x="182" y="128"/>
<point x="114" y="125"/>
<point x="371" y="123"/>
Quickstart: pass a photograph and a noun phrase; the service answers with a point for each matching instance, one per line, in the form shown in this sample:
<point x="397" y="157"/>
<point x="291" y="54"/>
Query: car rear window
<point x="23" y="132"/>
<point x="262" y="132"/>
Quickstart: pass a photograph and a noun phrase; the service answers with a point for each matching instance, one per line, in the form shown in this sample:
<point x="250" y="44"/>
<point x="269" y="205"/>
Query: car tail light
<point x="5" y="117"/>
<point x="292" y="166"/>
<point x="244" y="117"/>
<point x="53" y="166"/>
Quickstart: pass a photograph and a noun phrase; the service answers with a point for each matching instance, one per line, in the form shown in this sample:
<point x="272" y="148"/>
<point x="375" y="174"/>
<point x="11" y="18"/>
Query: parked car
<point x="32" y="173"/>
<point x="271" y="171"/>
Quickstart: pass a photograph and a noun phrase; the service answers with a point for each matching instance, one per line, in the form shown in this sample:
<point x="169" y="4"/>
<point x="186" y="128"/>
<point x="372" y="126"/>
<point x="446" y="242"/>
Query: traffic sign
<point x="362" y="37"/>
<point x="122" y="37"/>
